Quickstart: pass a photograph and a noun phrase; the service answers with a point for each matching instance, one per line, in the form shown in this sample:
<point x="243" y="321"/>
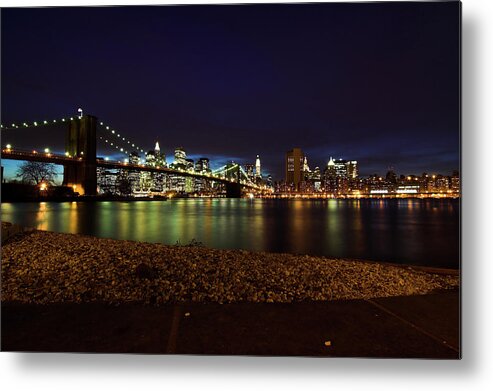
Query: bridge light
<point x="82" y="153"/>
<point x="123" y="138"/>
<point x="101" y="123"/>
<point x="45" y="122"/>
<point x="47" y="150"/>
<point x="121" y="149"/>
<point x="35" y="123"/>
<point x="133" y="145"/>
<point x="63" y="119"/>
<point x="9" y="147"/>
<point x="54" y="120"/>
<point x="117" y="135"/>
<point x="13" y="125"/>
<point x="35" y="152"/>
<point x="113" y="131"/>
<point x="71" y="118"/>
<point x="107" y="128"/>
<point x="24" y="124"/>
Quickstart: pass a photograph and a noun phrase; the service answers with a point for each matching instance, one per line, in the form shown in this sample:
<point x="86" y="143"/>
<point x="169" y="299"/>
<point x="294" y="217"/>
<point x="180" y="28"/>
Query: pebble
<point x="47" y="267"/>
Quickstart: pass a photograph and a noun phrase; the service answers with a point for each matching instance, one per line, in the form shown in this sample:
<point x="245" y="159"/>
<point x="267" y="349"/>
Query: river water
<point x="411" y="231"/>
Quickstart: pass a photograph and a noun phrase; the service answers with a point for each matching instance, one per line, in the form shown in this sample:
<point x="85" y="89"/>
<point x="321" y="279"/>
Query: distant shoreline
<point x="165" y="198"/>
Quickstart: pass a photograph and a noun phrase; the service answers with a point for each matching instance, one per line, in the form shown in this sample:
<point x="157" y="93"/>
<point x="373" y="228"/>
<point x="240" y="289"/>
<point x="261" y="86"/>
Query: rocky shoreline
<point x="46" y="267"/>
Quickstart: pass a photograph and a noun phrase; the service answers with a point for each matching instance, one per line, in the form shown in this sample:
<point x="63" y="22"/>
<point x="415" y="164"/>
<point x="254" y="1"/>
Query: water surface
<point x="412" y="231"/>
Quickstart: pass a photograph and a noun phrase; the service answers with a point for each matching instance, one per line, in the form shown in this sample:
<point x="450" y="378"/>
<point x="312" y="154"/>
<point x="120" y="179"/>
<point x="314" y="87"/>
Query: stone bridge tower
<point x="81" y="143"/>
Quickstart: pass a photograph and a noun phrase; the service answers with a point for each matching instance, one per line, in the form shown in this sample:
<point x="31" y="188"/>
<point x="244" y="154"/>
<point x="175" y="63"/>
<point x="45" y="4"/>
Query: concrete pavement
<point x="397" y="327"/>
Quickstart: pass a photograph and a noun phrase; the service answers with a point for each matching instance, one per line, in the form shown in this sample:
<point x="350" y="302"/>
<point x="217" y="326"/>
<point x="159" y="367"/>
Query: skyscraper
<point x="258" y="173"/>
<point x="294" y="167"/>
<point x="250" y="171"/>
<point x="341" y="168"/>
<point x="352" y="169"/>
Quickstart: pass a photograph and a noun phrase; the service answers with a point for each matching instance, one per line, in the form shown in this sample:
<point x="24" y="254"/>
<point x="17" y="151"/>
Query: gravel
<point x="46" y="267"/>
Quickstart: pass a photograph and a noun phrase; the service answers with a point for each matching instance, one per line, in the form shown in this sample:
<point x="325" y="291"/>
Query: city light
<point x="47" y="150"/>
<point x="8" y="146"/>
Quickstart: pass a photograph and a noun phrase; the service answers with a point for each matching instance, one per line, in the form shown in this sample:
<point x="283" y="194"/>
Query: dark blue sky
<point x="373" y="82"/>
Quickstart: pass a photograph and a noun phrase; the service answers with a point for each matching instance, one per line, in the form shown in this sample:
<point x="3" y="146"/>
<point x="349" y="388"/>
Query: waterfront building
<point x="294" y="168"/>
<point x="106" y="180"/>
<point x="202" y="185"/>
<point x="391" y="180"/>
<point x="330" y="177"/>
<point x="316" y="178"/>
<point x="455" y="182"/>
<point x="341" y="168"/>
<point x="352" y="169"/>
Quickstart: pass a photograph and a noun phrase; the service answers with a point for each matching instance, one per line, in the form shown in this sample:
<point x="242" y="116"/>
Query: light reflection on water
<point x="407" y="231"/>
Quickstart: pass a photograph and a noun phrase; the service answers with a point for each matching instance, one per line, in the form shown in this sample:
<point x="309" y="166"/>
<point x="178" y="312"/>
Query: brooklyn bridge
<point x="81" y="162"/>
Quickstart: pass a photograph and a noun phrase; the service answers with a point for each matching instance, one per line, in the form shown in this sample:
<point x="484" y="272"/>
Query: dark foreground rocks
<point x="45" y="267"/>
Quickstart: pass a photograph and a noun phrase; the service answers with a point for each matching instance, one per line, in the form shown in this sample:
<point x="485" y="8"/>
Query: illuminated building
<point x="352" y="169"/>
<point x="134" y="158"/>
<point x="455" y="182"/>
<point x="330" y="177"/>
<point x="202" y="185"/>
<point x="134" y="175"/>
<point x="106" y="180"/>
<point x="202" y="165"/>
<point x="250" y="171"/>
<point x="294" y="168"/>
<point x="258" y="173"/>
<point x="341" y="168"/>
<point x="180" y="158"/>
<point x="316" y="177"/>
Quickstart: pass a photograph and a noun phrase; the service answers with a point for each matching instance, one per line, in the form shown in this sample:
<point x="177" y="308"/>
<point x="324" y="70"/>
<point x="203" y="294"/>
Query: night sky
<point x="373" y="82"/>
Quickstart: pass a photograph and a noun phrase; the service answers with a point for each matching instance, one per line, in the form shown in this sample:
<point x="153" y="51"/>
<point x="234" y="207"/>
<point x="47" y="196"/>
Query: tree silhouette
<point x="37" y="172"/>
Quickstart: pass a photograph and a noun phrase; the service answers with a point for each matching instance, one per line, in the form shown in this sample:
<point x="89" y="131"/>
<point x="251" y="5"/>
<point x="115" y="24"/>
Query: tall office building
<point x="341" y="168"/>
<point x="250" y="171"/>
<point x="180" y="158"/>
<point x="352" y="169"/>
<point x="294" y="167"/>
<point x="258" y="173"/>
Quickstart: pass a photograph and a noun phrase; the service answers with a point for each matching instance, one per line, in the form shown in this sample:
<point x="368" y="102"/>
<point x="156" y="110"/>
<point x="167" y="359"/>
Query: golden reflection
<point x="72" y="217"/>
<point x="41" y="221"/>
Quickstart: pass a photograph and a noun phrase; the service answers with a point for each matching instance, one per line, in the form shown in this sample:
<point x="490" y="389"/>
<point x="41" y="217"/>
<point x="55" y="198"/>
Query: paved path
<point x="412" y="327"/>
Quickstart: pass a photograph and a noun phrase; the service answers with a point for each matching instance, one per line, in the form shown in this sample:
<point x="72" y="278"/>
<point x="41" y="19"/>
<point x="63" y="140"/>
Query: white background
<point x="474" y="372"/>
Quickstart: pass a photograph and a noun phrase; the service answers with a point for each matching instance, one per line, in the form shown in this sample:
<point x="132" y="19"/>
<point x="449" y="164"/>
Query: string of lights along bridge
<point x="123" y="145"/>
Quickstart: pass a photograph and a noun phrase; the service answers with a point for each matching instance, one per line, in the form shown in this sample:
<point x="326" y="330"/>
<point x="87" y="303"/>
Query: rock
<point x="144" y="271"/>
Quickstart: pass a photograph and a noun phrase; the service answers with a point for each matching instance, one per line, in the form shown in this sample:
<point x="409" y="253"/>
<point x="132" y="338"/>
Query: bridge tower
<point x="81" y="143"/>
<point x="233" y="189"/>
